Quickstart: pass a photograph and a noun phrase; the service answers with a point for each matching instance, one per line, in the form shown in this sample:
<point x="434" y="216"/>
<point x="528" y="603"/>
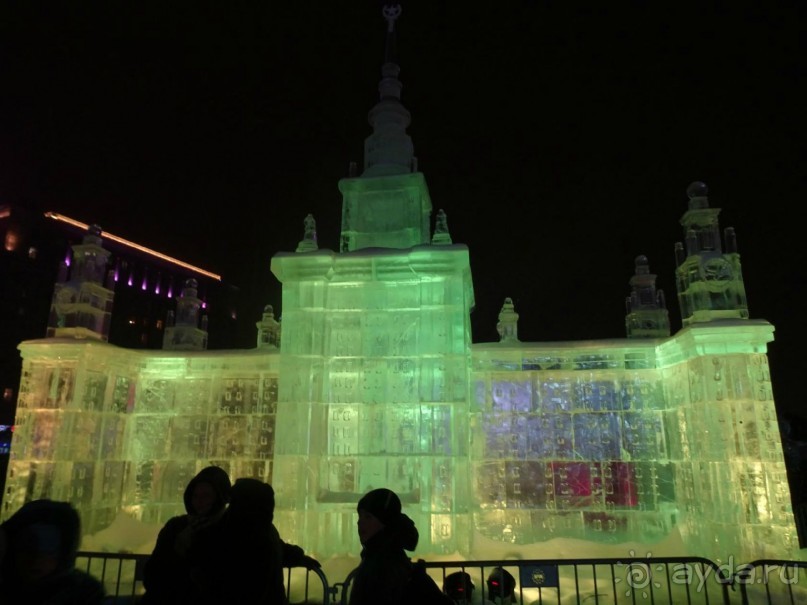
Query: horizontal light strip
<point x="106" y="234"/>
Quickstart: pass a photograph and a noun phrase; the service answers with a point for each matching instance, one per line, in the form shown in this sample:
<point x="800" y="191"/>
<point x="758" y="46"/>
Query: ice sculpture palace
<point x="376" y="383"/>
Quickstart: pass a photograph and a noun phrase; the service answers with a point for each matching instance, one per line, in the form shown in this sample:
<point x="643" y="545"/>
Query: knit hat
<point x="383" y="504"/>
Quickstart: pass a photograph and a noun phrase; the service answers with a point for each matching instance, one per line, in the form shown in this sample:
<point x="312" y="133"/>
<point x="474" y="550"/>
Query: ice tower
<point x="710" y="281"/>
<point x="82" y="304"/>
<point x="376" y="354"/>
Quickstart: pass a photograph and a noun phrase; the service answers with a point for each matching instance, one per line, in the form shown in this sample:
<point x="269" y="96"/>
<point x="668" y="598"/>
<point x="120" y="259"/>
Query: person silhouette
<point x="385" y="532"/>
<point x="167" y="572"/>
<point x="501" y="587"/>
<point x="240" y="558"/>
<point x="37" y="566"/>
<point x="459" y="587"/>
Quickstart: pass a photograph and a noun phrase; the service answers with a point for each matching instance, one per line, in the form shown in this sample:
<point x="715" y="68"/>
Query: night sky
<point x="559" y="140"/>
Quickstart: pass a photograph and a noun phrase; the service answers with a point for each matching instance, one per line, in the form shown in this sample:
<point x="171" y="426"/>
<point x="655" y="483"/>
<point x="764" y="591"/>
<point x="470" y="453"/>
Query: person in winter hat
<point x="385" y="532"/>
<point x="38" y="567"/>
<point x="167" y="574"/>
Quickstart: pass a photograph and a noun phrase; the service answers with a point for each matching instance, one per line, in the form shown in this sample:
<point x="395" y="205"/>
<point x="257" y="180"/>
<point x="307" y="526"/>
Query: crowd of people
<point x="225" y="550"/>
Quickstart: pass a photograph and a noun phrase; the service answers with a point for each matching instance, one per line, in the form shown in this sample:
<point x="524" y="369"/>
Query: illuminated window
<point x="32" y="252"/>
<point x="159" y="324"/>
<point x="8" y="394"/>
<point x="11" y="241"/>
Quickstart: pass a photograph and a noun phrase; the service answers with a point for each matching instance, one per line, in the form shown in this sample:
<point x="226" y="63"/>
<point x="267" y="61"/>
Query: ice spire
<point x="388" y="205"/>
<point x="389" y="150"/>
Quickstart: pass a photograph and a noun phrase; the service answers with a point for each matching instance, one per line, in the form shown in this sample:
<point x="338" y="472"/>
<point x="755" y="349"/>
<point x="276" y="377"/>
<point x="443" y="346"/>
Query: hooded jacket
<point x="51" y="530"/>
<point x="385" y="568"/>
<point x="167" y="573"/>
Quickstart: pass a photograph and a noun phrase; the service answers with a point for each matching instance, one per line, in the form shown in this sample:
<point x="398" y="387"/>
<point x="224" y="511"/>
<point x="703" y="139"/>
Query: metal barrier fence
<point x="122" y="576"/>
<point x="627" y="581"/>
<point x="624" y="581"/>
<point x="772" y="582"/>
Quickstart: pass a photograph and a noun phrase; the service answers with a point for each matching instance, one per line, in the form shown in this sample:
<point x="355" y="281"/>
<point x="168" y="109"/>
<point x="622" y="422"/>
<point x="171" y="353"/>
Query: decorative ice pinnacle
<point x="309" y="241"/>
<point x="441" y="235"/>
<point x="508" y="322"/>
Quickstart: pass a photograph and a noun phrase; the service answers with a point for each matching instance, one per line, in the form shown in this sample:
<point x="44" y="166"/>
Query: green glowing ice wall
<point x="620" y="441"/>
<point x="608" y="442"/>
<point x="115" y="430"/>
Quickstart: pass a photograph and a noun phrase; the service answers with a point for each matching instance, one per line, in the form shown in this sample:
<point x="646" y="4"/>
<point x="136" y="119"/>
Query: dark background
<point x="559" y="139"/>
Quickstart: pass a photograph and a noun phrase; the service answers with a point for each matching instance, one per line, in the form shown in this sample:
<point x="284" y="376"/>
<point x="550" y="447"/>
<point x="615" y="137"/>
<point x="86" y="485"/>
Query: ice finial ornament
<point x="697" y="193"/>
<point x="309" y="241"/>
<point x="697" y="189"/>
<point x="391" y="13"/>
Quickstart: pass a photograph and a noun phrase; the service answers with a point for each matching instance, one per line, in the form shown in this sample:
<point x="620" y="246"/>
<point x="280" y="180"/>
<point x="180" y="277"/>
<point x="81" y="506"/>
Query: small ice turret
<point x="647" y="315"/>
<point x="508" y="322"/>
<point x="186" y="334"/>
<point x="81" y="306"/>
<point x="268" y="329"/>
<point x="441" y="235"/>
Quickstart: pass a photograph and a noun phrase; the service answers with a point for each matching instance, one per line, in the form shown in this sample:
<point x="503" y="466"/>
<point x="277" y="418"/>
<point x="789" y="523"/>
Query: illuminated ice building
<point x="537" y="448"/>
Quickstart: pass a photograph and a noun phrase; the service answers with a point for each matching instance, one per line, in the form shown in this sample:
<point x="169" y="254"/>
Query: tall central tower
<point x="389" y="205"/>
<point x="375" y="359"/>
